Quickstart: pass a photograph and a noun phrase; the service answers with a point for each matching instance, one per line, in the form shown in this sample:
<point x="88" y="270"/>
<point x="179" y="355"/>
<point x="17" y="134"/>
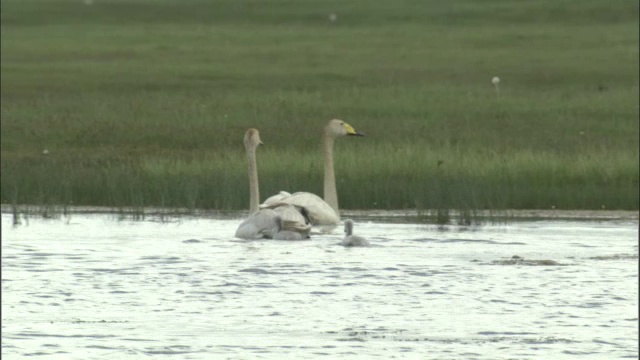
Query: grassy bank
<point x="144" y="103"/>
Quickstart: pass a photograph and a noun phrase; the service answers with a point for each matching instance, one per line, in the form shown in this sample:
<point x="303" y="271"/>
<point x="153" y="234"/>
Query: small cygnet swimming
<point x="349" y="238"/>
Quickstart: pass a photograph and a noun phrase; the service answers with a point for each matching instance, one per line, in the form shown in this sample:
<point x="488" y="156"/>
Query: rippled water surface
<point x="93" y="287"/>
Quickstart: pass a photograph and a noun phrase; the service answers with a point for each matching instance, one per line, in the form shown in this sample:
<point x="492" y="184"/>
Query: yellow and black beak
<point x="351" y="131"/>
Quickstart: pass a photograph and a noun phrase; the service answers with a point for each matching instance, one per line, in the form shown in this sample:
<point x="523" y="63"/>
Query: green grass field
<point x="145" y="102"/>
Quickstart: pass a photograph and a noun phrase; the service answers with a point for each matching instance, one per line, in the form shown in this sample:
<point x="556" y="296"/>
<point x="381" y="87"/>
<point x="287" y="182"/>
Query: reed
<point x="144" y="103"/>
<point x="369" y="177"/>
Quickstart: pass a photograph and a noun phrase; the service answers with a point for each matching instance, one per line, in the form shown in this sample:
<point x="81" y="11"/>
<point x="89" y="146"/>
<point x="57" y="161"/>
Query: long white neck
<point x="330" y="192"/>
<point x="254" y="190"/>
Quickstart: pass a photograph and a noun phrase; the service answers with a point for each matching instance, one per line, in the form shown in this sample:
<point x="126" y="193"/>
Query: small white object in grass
<point x="45" y="152"/>
<point x="88" y="2"/>
<point x="495" y="81"/>
<point x="333" y="17"/>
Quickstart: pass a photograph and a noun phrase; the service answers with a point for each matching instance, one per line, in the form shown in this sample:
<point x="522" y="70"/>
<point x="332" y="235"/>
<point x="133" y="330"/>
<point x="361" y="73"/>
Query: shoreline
<point x="532" y="214"/>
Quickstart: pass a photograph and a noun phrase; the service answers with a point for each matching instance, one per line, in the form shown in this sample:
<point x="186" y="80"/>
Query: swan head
<point x="337" y="128"/>
<point x="252" y="139"/>
<point x="348" y="227"/>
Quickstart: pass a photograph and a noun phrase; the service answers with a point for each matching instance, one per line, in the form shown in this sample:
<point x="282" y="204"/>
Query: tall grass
<point x="144" y="103"/>
<point x="410" y="177"/>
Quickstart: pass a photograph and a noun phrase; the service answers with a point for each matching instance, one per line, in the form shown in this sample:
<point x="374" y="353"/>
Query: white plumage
<point x="267" y="223"/>
<point x="319" y="211"/>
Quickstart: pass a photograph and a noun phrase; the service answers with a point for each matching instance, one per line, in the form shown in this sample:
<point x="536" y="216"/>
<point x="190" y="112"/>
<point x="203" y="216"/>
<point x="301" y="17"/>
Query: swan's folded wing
<point x="290" y="212"/>
<point x="260" y="225"/>
<point x="318" y="211"/>
<point x="274" y="199"/>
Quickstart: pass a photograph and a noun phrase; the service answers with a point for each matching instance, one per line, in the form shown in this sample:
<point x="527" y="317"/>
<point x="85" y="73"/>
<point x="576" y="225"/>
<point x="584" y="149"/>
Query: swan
<point x="320" y="212"/>
<point x="267" y="223"/>
<point x="349" y="238"/>
<point x="283" y="234"/>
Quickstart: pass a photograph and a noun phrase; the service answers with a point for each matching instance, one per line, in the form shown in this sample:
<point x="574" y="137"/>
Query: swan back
<point x="318" y="211"/>
<point x="259" y="225"/>
<point x="292" y="213"/>
<point x="275" y="198"/>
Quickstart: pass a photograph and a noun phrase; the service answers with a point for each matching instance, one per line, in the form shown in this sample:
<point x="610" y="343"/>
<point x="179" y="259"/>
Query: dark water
<point x="92" y="287"/>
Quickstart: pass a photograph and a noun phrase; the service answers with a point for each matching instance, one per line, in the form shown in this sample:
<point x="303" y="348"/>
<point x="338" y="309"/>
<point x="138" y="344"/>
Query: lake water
<point x="95" y="287"/>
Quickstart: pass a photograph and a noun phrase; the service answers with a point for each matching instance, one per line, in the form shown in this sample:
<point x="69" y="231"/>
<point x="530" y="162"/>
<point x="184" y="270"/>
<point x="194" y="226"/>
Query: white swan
<point x="320" y="212"/>
<point x="266" y="223"/>
<point x="349" y="238"/>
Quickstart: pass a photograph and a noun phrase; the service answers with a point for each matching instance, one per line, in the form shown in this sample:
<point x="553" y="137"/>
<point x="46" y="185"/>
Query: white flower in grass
<point x="45" y="152"/>
<point x="333" y="17"/>
<point x="495" y="81"/>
